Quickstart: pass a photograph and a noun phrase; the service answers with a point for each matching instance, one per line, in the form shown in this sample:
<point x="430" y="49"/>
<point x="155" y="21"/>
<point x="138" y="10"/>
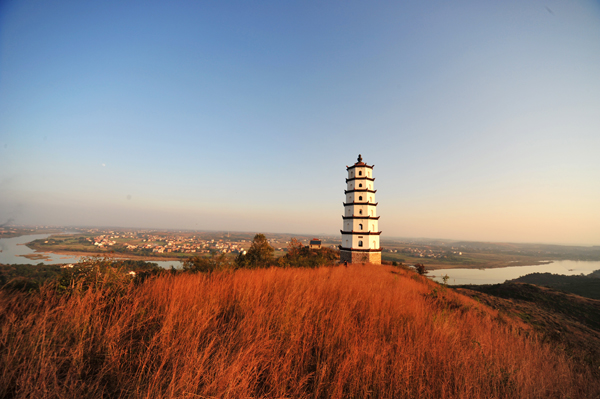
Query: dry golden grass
<point x="355" y="332"/>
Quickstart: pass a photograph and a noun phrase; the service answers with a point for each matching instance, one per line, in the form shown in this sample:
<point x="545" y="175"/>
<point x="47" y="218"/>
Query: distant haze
<point x="482" y="118"/>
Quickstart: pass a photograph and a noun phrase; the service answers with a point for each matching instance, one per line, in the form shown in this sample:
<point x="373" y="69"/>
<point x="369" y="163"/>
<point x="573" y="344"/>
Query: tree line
<point x="94" y="272"/>
<point x="261" y="255"/>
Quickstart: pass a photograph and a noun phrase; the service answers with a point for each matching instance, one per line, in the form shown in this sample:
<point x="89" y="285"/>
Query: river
<point x="501" y="274"/>
<point x="13" y="248"/>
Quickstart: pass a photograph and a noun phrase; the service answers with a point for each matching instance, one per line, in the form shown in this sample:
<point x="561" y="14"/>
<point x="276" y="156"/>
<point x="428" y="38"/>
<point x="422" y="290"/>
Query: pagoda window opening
<point x="360" y="226"/>
<point x="360" y="212"/>
<point x="360" y="173"/>
<point x="359" y="184"/>
<point x="360" y="243"/>
<point x="360" y="198"/>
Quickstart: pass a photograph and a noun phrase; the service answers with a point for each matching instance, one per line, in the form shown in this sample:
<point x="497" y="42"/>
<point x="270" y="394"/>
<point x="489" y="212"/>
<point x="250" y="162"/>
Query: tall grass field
<point x="362" y="331"/>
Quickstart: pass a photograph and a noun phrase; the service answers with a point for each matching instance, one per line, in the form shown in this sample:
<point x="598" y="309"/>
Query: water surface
<point x="501" y="274"/>
<point x="13" y="247"/>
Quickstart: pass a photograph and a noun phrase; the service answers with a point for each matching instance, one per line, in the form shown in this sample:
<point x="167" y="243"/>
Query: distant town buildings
<point x="360" y="232"/>
<point x="160" y="244"/>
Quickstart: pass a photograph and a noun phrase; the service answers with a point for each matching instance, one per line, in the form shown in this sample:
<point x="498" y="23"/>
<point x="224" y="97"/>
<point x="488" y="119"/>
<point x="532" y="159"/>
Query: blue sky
<point x="482" y="118"/>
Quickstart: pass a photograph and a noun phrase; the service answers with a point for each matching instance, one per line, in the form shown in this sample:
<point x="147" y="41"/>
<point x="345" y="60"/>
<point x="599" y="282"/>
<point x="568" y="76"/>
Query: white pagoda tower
<point x="360" y="232"/>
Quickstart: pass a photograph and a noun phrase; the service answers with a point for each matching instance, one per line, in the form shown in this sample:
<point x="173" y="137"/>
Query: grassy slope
<point x="570" y="321"/>
<point x="370" y="331"/>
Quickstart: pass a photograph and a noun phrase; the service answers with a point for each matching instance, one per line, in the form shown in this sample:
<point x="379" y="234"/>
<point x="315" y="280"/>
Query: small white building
<point x="315" y="243"/>
<point x="360" y="231"/>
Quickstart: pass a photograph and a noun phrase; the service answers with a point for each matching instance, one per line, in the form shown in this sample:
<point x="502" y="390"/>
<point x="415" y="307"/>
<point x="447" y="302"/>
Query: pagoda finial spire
<point x="359" y="158"/>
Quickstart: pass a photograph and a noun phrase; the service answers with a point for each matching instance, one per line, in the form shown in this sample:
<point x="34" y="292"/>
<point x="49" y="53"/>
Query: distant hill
<point x="587" y="286"/>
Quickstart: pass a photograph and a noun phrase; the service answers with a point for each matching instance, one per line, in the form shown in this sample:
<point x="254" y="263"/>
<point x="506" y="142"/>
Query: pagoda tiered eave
<point x="359" y="178"/>
<point x="361" y="233"/>
<point x="362" y="190"/>
<point x="359" y="165"/>
<point x="361" y="203"/>
<point x="360" y="217"/>
<point x="359" y="249"/>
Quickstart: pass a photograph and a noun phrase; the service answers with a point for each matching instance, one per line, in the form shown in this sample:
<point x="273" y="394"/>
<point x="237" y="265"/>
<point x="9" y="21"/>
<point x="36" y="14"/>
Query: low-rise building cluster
<point x="432" y="253"/>
<point x="159" y="244"/>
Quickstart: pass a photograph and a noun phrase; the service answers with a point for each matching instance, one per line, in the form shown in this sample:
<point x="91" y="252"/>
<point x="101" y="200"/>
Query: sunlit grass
<point x="357" y="331"/>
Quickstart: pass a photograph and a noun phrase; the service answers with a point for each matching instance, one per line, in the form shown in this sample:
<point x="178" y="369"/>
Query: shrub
<point x="259" y="255"/>
<point x="96" y="274"/>
<point x="198" y="264"/>
<point x="299" y="255"/>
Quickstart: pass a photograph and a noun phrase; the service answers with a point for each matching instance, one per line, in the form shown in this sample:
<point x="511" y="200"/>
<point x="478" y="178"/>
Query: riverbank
<point x="428" y="266"/>
<point x="113" y="255"/>
<point x="491" y="265"/>
<point x="498" y="275"/>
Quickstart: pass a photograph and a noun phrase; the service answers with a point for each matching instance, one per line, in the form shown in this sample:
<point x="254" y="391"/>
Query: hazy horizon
<point x="481" y="119"/>
<point x="298" y="234"/>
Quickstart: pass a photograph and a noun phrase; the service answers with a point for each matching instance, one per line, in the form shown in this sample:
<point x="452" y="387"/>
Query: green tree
<point x="445" y="279"/>
<point x="294" y="254"/>
<point x="259" y="255"/>
<point x="299" y="255"/>
<point x="202" y="264"/>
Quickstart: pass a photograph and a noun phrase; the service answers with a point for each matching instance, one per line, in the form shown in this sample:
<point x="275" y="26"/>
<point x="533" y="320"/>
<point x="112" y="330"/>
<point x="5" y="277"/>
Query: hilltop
<point x="329" y="332"/>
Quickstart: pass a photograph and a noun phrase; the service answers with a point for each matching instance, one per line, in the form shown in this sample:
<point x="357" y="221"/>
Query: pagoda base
<point x="360" y="256"/>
